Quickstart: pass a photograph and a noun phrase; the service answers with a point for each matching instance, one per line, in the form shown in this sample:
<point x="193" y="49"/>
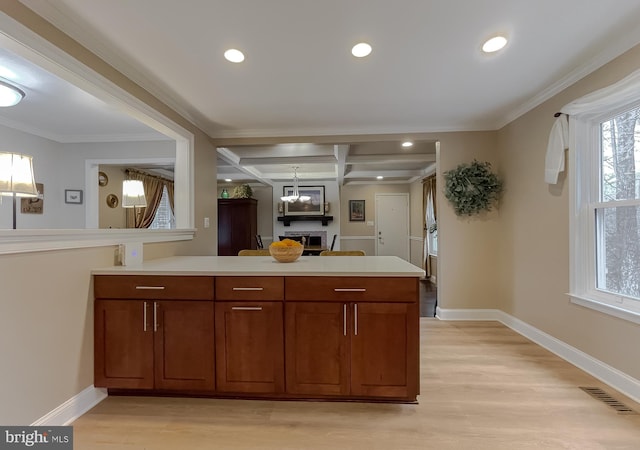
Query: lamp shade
<point x="133" y="194"/>
<point x="16" y="175"/>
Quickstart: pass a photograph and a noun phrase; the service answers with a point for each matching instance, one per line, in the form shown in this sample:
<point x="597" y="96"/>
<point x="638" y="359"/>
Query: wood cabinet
<point x="237" y="225"/>
<point x="249" y="335"/>
<point x="364" y="348"/>
<point x="317" y="348"/>
<point x="145" y="341"/>
<point x="266" y="336"/>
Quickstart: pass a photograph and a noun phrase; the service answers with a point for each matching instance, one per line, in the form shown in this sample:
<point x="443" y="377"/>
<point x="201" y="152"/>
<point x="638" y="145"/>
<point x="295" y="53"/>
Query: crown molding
<point x="616" y="46"/>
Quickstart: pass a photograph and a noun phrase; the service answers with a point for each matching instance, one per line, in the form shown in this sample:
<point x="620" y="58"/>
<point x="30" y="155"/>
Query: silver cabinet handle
<point x="150" y="288"/>
<point x="248" y="289"/>
<point x="349" y="290"/>
<point x="246" y="308"/>
<point x="144" y="316"/>
<point x="155" y="316"/>
<point x="344" y="319"/>
<point x="355" y="319"/>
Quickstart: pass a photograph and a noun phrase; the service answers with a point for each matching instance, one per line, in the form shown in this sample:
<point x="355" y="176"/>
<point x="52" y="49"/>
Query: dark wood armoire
<point x="237" y="225"/>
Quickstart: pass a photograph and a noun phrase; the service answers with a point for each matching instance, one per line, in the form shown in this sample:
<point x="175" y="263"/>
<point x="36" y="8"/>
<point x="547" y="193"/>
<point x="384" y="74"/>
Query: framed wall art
<point x="73" y="196"/>
<point x="356" y="210"/>
<point x="312" y="207"/>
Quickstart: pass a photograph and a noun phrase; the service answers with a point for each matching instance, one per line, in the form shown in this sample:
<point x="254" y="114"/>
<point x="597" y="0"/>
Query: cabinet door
<point x="249" y="347"/>
<point x="123" y="344"/>
<point x="184" y="345"/>
<point x="384" y="350"/>
<point x="316" y="350"/>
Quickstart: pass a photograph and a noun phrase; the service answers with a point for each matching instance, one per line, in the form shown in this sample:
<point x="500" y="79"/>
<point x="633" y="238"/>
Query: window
<point x="617" y="211"/>
<point x="164" y="218"/>
<point x="605" y="203"/>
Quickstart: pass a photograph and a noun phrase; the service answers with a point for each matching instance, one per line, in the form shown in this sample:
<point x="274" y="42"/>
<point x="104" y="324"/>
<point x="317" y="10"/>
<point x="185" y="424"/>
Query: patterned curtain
<point x="153" y="187"/>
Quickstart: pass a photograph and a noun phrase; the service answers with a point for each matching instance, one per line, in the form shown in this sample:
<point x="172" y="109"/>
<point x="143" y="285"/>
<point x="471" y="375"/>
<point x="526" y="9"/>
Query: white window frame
<point x="584" y="170"/>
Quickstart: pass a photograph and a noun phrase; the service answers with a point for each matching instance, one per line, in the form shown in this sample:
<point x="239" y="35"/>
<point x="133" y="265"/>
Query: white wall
<point x="48" y="170"/>
<point x="332" y="196"/>
<point x="62" y="166"/>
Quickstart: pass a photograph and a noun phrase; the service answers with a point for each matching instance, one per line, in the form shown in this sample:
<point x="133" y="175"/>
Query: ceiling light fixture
<point x="234" y="56"/>
<point x="9" y="95"/>
<point x="295" y="194"/>
<point x="494" y="44"/>
<point x="228" y="180"/>
<point x="379" y="177"/>
<point x="361" y="50"/>
<point x="407" y="144"/>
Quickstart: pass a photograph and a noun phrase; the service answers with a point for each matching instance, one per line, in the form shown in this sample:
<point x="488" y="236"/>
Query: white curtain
<point x="587" y="107"/>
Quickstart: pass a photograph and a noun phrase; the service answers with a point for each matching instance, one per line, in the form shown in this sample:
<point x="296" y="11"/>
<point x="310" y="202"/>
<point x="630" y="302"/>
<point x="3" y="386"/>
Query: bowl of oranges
<point x="286" y="250"/>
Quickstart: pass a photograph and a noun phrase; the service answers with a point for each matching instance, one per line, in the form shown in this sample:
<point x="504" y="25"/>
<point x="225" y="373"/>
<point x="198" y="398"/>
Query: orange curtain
<point x="153" y="187"/>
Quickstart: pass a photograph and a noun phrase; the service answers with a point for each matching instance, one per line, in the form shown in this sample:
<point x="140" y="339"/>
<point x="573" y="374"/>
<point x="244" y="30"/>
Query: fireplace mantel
<point x="288" y="219"/>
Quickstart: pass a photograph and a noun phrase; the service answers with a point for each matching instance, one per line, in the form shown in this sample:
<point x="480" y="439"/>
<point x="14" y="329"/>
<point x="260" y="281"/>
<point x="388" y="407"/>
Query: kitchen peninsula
<point x="334" y="327"/>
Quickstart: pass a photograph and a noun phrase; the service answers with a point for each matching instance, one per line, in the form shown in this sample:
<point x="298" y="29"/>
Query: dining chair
<point x="259" y="241"/>
<point x="343" y="253"/>
<point x="333" y="241"/>
<point x="258" y="252"/>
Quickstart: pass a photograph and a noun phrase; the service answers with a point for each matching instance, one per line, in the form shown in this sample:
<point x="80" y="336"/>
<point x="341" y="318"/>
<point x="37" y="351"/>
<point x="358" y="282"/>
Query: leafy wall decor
<point x="472" y="188"/>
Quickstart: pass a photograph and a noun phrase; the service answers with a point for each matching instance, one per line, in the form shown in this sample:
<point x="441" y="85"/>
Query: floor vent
<point x="601" y="395"/>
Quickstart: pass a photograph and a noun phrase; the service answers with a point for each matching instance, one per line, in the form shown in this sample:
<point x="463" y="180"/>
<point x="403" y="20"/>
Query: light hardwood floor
<point x="483" y="386"/>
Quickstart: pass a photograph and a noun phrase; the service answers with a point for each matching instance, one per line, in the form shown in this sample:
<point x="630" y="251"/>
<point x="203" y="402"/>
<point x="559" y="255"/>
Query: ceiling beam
<point x="232" y="159"/>
<point x="385" y="173"/>
<point x="293" y="160"/>
<point x="386" y="158"/>
<point x="341" y="152"/>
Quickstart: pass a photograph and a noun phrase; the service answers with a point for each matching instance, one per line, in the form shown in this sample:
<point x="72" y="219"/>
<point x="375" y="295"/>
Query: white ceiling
<point x="426" y="72"/>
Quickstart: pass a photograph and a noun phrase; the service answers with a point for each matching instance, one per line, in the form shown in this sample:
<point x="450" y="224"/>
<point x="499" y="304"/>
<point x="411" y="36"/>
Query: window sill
<point x="25" y="241"/>
<point x="606" y="308"/>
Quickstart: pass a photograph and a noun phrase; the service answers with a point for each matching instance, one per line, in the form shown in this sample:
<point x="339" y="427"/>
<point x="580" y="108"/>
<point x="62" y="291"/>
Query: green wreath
<point x="472" y="188"/>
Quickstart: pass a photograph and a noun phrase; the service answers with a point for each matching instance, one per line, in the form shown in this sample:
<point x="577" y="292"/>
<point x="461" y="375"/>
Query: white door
<point x="392" y="225"/>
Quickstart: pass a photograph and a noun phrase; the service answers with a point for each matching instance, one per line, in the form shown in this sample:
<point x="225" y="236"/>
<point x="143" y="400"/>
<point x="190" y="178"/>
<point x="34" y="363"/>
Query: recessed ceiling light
<point x="361" y="50"/>
<point x="494" y="44"/>
<point x="234" y="56"/>
<point x="379" y="177"/>
<point x="228" y="180"/>
<point x="407" y="144"/>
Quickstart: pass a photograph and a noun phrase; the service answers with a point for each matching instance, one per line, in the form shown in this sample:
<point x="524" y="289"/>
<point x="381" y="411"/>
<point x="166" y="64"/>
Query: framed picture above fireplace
<point x="312" y="207"/>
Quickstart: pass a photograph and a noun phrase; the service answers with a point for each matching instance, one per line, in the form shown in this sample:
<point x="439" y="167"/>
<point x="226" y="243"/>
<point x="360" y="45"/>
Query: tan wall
<point x="467" y="247"/>
<point x="535" y="237"/>
<point x="46" y="315"/>
<point x="366" y="192"/>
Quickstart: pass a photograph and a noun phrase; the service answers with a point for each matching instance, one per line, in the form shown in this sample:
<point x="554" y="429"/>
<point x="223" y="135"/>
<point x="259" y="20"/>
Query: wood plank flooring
<point x="483" y="386"/>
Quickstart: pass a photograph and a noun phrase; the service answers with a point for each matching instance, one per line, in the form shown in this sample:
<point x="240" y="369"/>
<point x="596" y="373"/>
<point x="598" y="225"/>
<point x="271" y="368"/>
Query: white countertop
<point x="344" y="266"/>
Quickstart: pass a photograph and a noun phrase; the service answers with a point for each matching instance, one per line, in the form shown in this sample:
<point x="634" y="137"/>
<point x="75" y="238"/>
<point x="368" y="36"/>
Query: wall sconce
<point x="16" y="178"/>
<point x="133" y="197"/>
<point x="326" y="207"/>
<point x="280" y="207"/>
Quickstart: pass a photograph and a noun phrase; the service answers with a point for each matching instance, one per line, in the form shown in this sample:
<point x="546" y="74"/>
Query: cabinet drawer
<point x="250" y="288"/>
<point x="352" y="289"/>
<point x="153" y="287"/>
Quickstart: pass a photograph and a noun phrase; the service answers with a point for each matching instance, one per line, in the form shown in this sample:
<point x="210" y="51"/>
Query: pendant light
<point x="295" y="195"/>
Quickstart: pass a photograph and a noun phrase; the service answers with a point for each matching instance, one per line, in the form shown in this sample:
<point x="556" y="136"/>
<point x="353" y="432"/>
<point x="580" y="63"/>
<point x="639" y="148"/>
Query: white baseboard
<point x="618" y="380"/>
<point x="73" y="408"/>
